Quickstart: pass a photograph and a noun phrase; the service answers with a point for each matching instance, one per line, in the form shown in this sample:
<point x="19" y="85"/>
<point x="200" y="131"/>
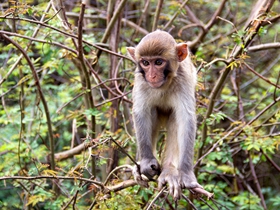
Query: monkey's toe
<point x="170" y="177"/>
<point x="188" y="180"/>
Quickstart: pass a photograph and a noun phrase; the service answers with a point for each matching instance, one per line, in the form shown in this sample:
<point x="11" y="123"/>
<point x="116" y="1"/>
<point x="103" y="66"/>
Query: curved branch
<point x="42" y="97"/>
<point x="39" y="40"/>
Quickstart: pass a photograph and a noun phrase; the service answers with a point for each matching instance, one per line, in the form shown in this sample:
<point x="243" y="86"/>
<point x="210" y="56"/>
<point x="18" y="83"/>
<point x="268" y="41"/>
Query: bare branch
<point x="266" y="46"/>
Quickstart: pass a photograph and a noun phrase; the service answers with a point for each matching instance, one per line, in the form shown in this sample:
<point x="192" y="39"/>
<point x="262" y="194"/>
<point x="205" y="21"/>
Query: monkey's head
<point x="158" y="57"/>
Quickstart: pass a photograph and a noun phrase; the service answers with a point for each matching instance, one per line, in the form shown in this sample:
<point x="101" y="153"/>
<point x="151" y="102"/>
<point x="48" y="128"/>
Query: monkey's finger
<point x="174" y="189"/>
<point x="161" y="183"/>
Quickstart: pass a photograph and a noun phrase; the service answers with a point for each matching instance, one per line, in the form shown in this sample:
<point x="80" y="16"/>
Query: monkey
<point x="164" y="96"/>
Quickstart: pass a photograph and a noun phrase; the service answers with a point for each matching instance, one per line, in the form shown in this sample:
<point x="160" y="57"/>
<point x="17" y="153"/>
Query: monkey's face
<point x="158" y="57"/>
<point x="154" y="70"/>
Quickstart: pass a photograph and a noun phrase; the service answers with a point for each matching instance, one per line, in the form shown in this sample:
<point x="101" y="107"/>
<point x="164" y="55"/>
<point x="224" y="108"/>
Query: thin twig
<point x="157" y="13"/>
<point x="260" y="76"/>
<point x="156" y="197"/>
<point x="122" y="149"/>
<point x="256" y="117"/>
<point x="116" y="169"/>
<point x="256" y="181"/>
<point x="189" y="201"/>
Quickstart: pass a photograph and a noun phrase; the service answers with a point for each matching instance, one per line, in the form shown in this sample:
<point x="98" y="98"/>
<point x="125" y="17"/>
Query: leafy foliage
<point x="64" y="162"/>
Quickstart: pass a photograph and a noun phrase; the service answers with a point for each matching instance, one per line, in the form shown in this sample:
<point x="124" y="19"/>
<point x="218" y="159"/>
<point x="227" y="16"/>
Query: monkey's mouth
<point x="156" y="84"/>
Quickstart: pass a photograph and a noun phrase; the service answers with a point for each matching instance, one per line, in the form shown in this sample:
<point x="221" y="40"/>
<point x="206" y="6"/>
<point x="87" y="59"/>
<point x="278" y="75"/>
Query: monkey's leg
<point x="185" y="139"/>
<point x="170" y="174"/>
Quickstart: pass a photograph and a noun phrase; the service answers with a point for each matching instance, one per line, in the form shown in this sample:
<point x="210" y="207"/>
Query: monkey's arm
<point x="178" y="160"/>
<point x="149" y="165"/>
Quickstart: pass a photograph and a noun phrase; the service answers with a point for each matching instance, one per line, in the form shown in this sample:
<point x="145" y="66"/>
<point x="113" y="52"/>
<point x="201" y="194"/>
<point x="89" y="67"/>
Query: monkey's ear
<point x="131" y="52"/>
<point x="182" y="51"/>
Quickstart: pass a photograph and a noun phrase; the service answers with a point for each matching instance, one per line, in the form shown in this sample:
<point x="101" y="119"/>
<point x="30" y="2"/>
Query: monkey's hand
<point x="188" y="180"/>
<point x="170" y="176"/>
<point x="141" y="179"/>
<point x="148" y="168"/>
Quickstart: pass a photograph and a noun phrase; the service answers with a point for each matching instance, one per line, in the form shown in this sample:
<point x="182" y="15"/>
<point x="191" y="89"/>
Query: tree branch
<point x="42" y="97"/>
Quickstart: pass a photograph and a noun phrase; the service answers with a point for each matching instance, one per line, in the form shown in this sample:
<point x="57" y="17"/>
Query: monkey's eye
<point x="158" y="62"/>
<point x="145" y="63"/>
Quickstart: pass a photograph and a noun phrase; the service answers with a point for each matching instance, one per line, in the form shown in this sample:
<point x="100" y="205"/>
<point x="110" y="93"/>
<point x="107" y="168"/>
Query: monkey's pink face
<point x="155" y="70"/>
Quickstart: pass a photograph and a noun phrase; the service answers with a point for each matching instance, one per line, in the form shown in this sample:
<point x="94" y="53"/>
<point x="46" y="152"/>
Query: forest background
<point x="67" y="140"/>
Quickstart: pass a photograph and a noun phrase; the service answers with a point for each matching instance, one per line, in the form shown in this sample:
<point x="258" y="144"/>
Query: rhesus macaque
<point x="164" y="96"/>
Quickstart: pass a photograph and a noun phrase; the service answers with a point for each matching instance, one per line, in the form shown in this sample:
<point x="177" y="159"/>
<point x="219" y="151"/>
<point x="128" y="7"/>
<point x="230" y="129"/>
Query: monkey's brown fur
<point x="164" y="96"/>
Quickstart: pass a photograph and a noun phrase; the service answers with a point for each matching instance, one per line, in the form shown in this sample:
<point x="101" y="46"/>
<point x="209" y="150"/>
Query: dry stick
<point x="237" y="50"/>
<point x="116" y="98"/>
<point x="142" y="17"/>
<point x="157" y="13"/>
<point x="120" y="186"/>
<point x="266" y="46"/>
<point x="271" y="161"/>
<point x="70" y="201"/>
<point x="42" y="97"/>
<point x="28" y="45"/>
<point x="122" y="149"/>
<point x="111" y="24"/>
<point x="216" y="203"/>
<point x="74" y="151"/>
<point x="124" y="21"/>
<point x="133" y="25"/>
<point x="155" y="198"/>
<point x="205" y="202"/>
<point x="260" y="76"/>
<point x="256" y="182"/>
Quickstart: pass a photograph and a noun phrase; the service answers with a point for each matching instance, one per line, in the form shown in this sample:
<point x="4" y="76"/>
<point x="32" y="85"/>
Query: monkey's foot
<point x="188" y="180"/>
<point x="199" y="191"/>
<point x="171" y="177"/>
